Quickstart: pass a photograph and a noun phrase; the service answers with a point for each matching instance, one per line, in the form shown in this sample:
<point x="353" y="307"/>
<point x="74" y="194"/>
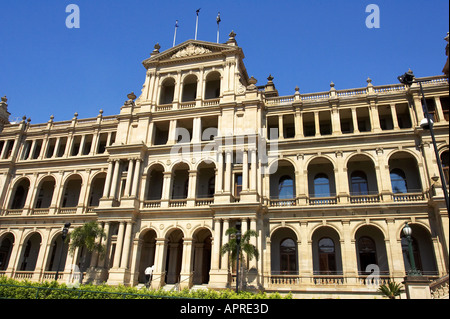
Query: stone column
<point x="317" y="123"/>
<point x="186" y="264"/>
<point x="228" y="171"/>
<point x="245" y="171"/>
<point x="136" y="179"/>
<point x="215" y="254"/>
<point x="126" y="245"/>
<point x="219" y="182"/>
<point x="224" y="261"/>
<point x="253" y="161"/>
<point x="160" y="263"/>
<point x="355" y="120"/>
<point x="119" y="245"/>
<point x="109" y="176"/>
<point x="115" y="181"/>
<point x="129" y="177"/>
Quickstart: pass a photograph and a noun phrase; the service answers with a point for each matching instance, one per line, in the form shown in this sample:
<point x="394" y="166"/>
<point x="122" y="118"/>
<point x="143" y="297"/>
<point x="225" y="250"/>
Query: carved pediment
<point x="190" y="50"/>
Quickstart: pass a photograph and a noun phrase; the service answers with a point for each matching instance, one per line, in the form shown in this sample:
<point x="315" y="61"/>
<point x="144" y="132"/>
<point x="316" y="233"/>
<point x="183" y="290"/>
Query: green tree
<point x="391" y="290"/>
<point x="85" y="237"/>
<point x="245" y="248"/>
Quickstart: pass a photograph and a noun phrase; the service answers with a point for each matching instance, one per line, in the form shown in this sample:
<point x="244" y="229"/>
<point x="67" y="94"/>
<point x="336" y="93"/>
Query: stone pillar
<point x="317" y="123"/>
<point x="253" y="161"/>
<point x="160" y="262"/>
<point x="228" y="171"/>
<point x="355" y="120"/>
<point x="186" y="264"/>
<point x="129" y="177"/>
<point x="219" y="181"/>
<point x="109" y="176"/>
<point x="119" y="245"/>
<point x="245" y="171"/>
<point x="136" y="179"/>
<point x="115" y="177"/>
<point x="215" y="254"/>
<point x="126" y="245"/>
<point x="394" y="116"/>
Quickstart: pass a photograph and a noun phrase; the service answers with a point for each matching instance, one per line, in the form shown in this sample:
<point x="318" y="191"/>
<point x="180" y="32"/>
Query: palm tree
<point x="85" y="237"/>
<point x="391" y="290"/>
<point x="244" y="247"/>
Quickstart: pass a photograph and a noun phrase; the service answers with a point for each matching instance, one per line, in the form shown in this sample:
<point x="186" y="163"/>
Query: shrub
<point x="14" y="289"/>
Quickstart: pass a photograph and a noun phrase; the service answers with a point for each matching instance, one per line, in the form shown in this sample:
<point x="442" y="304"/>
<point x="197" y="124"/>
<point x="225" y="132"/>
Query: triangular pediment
<point x="191" y="49"/>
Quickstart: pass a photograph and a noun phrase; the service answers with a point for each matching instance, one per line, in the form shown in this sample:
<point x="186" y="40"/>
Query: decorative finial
<point x="231" y="39"/>
<point x="297" y="89"/>
<point x="252" y="80"/>
<point x="131" y="96"/>
<point x="4" y="99"/>
<point x="270" y="78"/>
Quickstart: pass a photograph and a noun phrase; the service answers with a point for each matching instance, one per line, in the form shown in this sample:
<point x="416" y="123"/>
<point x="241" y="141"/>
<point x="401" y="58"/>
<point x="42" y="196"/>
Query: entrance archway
<point x="202" y="256"/>
<point x="174" y="256"/>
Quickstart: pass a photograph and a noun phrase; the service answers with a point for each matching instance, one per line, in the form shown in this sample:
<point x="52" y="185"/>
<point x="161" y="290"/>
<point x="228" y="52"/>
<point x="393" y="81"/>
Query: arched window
<point x="327" y="256"/>
<point x="20" y="194"/>
<point x="321" y="185"/>
<point x="288" y="254"/>
<point x="167" y="91"/>
<point x="359" y="183"/>
<point x="286" y="188"/>
<point x="189" y="88"/>
<point x="212" y="88"/>
<point x="367" y="252"/>
<point x="398" y="181"/>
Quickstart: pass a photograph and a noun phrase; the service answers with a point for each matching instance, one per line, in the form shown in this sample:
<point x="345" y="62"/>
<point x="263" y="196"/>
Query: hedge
<point x="14" y="289"/>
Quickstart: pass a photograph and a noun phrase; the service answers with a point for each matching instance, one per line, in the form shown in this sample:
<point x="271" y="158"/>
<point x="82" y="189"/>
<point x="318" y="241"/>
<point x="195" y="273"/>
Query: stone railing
<point x="294" y="280"/>
<point x="152" y="203"/>
<point x="439" y="288"/>
<point x="347" y="93"/>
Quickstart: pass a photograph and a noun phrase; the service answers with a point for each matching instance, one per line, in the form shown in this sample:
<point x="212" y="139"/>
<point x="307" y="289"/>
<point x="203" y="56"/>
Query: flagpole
<point x="218" y="21"/>
<point x="196" y="24"/>
<point x="175" y="34"/>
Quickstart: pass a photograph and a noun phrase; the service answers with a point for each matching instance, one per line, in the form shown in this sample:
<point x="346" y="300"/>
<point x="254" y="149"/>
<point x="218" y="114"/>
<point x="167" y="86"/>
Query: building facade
<point x="327" y="180"/>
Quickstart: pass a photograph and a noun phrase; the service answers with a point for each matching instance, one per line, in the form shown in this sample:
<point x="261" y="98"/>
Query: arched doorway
<point x="148" y="243"/>
<point x="30" y="252"/>
<point x="371" y="249"/>
<point x="174" y="256"/>
<point x="58" y="250"/>
<point x="423" y="251"/>
<point x="20" y="194"/>
<point x="6" y="245"/>
<point x="202" y="256"/>
<point x="284" y="254"/>
<point x="327" y="259"/>
<point x="45" y="192"/>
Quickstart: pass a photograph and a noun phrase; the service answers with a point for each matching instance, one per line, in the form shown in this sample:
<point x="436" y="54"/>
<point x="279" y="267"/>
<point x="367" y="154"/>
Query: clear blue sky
<point x="46" y="68"/>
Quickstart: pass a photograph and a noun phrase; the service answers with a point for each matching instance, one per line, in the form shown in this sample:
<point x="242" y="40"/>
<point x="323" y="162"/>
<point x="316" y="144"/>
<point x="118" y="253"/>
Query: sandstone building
<point x="326" y="179"/>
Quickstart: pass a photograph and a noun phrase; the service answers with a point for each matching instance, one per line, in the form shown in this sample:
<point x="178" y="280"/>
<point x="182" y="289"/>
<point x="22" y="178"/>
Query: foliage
<point x="86" y="236"/>
<point x="13" y="289"/>
<point x="391" y="290"/>
<point x="244" y="246"/>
